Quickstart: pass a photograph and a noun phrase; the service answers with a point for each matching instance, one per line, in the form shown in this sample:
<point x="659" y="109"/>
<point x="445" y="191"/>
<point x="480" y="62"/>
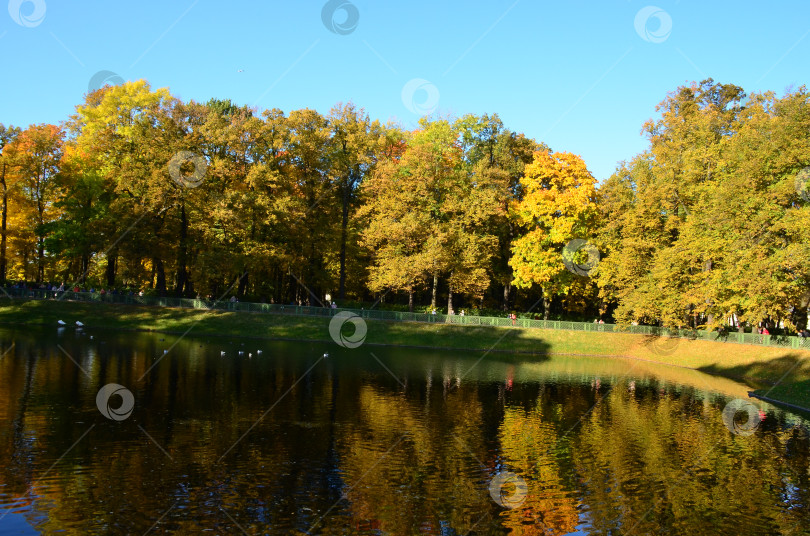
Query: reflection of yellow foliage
<point x="679" y="465"/>
<point x="527" y="444"/>
<point x="431" y="463"/>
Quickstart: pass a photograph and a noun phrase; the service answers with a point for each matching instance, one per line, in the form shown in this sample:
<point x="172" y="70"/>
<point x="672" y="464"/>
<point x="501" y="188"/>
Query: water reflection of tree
<point x="624" y="465"/>
<point x="527" y="443"/>
<point x="430" y="479"/>
<point x="667" y="463"/>
<point x="116" y="481"/>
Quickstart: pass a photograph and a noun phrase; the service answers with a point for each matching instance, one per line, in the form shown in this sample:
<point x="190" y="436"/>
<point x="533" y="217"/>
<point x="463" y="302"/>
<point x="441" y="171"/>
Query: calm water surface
<point x="378" y="441"/>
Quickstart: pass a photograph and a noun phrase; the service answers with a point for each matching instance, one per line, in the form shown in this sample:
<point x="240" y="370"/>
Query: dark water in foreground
<point x="395" y="442"/>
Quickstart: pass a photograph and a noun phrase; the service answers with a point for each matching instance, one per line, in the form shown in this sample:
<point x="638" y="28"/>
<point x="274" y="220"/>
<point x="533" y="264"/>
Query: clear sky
<point x="580" y="76"/>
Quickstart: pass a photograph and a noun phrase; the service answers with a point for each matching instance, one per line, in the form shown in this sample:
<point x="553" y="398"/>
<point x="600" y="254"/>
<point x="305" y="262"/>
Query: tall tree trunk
<point x="112" y="264"/>
<point x="546" y="304"/>
<point x="707" y="267"/>
<point x="3" y="266"/>
<point x="506" y="290"/>
<point x="344" y="231"/>
<point x="85" y="267"/>
<point x="40" y="260"/>
<point x="243" y="283"/>
<point x="435" y="287"/>
<point x="40" y="238"/>
<point x="160" y="274"/>
<point x="450" y="300"/>
<point x="182" y="254"/>
<point x="801" y="310"/>
<point x="410" y="298"/>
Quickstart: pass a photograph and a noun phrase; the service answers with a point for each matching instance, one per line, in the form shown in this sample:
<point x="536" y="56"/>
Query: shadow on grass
<point x="785" y="378"/>
<point x="767" y="372"/>
<point x="796" y="395"/>
<point x="484" y="340"/>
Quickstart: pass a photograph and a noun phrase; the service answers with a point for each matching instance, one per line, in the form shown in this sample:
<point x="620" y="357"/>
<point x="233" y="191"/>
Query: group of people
<point x="53" y="287"/>
<point x="461" y="313"/>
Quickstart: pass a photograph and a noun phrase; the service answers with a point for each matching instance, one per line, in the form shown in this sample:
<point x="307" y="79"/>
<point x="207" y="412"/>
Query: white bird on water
<point x="222" y="353"/>
<point x="80" y="324"/>
<point x="61" y="322"/>
<point x="325" y="355"/>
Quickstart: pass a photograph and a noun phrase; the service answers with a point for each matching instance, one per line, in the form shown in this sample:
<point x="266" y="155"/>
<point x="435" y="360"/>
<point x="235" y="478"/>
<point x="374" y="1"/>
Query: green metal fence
<point x="377" y="314"/>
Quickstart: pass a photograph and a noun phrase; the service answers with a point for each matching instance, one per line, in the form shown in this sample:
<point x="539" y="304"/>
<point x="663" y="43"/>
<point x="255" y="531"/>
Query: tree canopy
<point x="140" y="190"/>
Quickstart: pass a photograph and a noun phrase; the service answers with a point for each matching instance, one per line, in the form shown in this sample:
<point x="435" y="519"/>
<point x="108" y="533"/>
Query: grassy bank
<point x="760" y="367"/>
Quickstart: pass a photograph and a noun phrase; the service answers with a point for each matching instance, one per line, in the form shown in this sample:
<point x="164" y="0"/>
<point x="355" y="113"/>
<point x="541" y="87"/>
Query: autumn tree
<point x="429" y="218"/>
<point x="707" y="224"/>
<point x="36" y="153"/>
<point x="83" y="207"/>
<point x="354" y="148"/>
<point x="7" y="136"/>
<point x="122" y="128"/>
<point x="558" y="205"/>
<point x="498" y="156"/>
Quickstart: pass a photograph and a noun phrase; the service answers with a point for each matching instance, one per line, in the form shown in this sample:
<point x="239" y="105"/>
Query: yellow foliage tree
<point x="558" y="206"/>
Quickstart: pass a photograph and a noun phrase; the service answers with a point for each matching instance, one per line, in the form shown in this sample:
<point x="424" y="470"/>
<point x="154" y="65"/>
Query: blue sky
<point x="580" y="76"/>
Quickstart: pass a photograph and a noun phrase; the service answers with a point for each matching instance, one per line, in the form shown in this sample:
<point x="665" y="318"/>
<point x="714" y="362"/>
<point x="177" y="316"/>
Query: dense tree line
<point x="139" y="189"/>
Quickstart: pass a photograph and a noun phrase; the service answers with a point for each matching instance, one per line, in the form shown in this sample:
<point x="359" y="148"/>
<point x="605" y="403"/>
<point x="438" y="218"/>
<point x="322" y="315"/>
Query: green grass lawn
<point x="758" y="366"/>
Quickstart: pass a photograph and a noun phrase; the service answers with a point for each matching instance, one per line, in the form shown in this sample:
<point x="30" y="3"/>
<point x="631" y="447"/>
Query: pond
<point x="128" y="433"/>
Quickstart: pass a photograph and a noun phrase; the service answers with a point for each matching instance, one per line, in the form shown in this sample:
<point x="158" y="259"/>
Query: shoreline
<point x="760" y="368"/>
